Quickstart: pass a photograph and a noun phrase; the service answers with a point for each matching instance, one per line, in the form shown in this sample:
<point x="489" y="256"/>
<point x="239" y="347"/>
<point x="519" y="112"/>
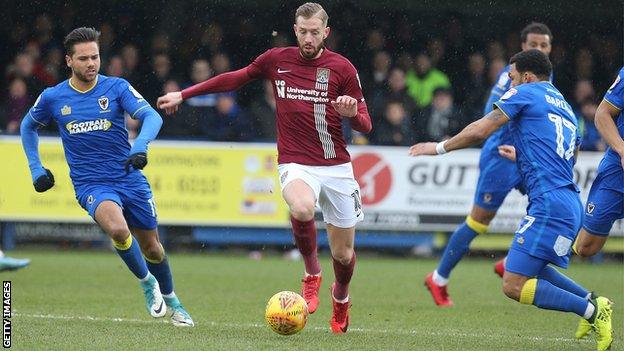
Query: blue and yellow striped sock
<point x="162" y="272"/>
<point x="130" y="253"/>
<point x="458" y="245"/>
<point x="541" y="293"/>
<point x="559" y="280"/>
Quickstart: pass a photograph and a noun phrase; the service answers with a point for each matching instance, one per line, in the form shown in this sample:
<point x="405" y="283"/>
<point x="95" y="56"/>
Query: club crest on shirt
<point x="65" y="110"/>
<point x="90" y="199"/>
<point x="103" y="102"/>
<point x="322" y="78"/>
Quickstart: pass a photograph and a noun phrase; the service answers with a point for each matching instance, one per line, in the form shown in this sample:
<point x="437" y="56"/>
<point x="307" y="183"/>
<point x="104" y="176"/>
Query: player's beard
<point x="83" y="76"/>
<point x="311" y="54"/>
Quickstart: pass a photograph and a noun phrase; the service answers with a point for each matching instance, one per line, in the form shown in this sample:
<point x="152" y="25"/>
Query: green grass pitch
<point x="69" y="300"/>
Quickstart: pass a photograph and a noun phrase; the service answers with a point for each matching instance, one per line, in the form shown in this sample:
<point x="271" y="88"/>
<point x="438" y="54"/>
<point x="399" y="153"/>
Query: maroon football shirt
<point x="309" y="130"/>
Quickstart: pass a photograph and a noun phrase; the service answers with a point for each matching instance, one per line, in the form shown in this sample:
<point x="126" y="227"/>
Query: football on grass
<point x="286" y="313"/>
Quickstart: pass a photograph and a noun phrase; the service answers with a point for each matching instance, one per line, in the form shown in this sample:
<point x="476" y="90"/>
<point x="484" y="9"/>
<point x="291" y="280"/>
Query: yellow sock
<point x="479" y="228"/>
<point x="123" y="245"/>
<point x="528" y="291"/>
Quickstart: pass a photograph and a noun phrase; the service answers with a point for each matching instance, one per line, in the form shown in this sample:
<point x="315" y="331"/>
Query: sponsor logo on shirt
<point x="75" y="127"/>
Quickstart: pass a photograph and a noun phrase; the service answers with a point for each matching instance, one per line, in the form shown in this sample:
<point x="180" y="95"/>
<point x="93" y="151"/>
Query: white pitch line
<point x="259" y="325"/>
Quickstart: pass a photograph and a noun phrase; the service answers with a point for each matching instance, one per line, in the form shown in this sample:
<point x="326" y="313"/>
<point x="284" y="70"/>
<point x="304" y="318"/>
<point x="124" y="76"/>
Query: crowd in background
<point x="419" y="86"/>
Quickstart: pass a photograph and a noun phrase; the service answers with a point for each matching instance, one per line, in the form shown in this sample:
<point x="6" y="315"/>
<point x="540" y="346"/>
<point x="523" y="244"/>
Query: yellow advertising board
<point x="194" y="183"/>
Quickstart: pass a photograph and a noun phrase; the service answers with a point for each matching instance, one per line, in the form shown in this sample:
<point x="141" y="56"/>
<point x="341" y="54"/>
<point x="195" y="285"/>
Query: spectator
<point x="201" y="71"/>
<point x="130" y="57"/>
<point x="583" y="91"/>
<point x="395" y="90"/>
<point x="115" y="67"/>
<point x="494" y="69"/>
<point x="440" y="120"/>
<point x="263" y="114"/>
<point x="474" y="88"/>
<point x="230" y="122"/>
<point x="220" y="63"/>
<point x="395" y="128"/>
<point x="23" y="67"/>
<point x="160" y="73"/>
<point x="591" y="139"/>
<point x="584" y="64"/>
<point x="17" y="105"/>
<point x="186" y="123"/>
<point x="423" y="79"/>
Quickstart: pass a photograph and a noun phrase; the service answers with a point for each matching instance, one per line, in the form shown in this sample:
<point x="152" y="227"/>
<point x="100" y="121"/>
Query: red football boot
<point x="339" y="321"/>
<point x="309" y="291"/>
<point x="499" y="267"/>
<point x="439" y="294"/>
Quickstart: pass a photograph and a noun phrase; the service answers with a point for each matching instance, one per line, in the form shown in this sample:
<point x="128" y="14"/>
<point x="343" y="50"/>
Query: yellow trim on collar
<point x="86" y="91"/>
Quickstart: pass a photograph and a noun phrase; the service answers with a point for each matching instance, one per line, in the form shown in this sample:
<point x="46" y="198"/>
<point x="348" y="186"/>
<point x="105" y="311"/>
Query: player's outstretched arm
<point x="227" y="81"/>
<point x="149" y="130"/>
<point x="474" y="134"/>
<point x="42" y="178"/>
<point x="604" y="120"/>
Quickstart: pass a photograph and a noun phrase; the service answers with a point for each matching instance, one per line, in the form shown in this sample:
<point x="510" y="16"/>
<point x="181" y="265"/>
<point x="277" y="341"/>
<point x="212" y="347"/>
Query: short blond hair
<point x="312" y="9"/>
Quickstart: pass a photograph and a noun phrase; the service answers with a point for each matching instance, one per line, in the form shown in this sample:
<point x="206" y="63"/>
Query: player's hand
<point x="508" y="152"/>
<point x="345" y="105"/>
<point x="137" y="161"/>
<point x="44" y="182"/>
<point x="423" y="149"/>
<point x="169" y="102"/>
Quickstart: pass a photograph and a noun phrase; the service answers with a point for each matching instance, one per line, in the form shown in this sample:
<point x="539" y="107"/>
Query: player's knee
<point x="153" y="251"/>
<point x="302" y="210"/>
<point x="118" y="232"/>
<point x="343" y="256"/>
<point x="584" y="250"/>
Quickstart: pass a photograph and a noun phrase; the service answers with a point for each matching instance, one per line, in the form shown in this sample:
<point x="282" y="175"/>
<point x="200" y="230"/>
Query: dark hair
<point x="533" y="61"/>
<point x="80" y="35"/>
<point x="535" y="28"/>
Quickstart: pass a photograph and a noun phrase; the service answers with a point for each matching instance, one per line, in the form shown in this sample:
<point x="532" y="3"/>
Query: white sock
<point x="171" y="295"/>
<point x="345" y="300"/>
<point x="438" y="279"/>
<point x="314" y="275"/>
<point x="589" y="311"/>
<point x="143" y="280"/>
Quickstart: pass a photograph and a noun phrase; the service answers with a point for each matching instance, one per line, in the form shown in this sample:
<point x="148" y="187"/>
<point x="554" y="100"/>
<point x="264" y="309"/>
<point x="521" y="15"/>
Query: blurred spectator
<point x="23" y="67"/>
<point x="591" y="141"/>
<point x="436" y="49"/>
<point x="115" y="67"/>
<point x="54" y="63"/>
<point x="160" y="43"/>
<point x="376" y="79"/>
<point x="423" y="79"/>
<point x="584" y="64"/>
<point x="494" y="70"/>
<point x="263" y="114"/>
<point x="395" y="90"/>
<point x="201" y="71"/>
<point x="495" y="51"/>
<point x="474" y="87"/>
<point x="107" y="41"/>
<point x="583" y="91"/>
<point x="230" y="123"/>
<point x="395" y="128"/>
<point x="130" y="57"/>
<point x="184" y="123"/>
<point x="160" y="72"/>
<point x="17" y="105"/>
<point x="210" y="41"/>
<point x="440" y="120"/>
<point x="220" y="63"/>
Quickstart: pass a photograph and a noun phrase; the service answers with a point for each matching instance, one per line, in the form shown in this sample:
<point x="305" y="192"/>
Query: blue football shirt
<point x="92" y="126"/>
<point x="615" y="97"/>
<point x="544" y="132"/>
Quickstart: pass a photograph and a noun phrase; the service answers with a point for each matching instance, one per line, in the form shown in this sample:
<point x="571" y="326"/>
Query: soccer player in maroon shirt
<point x="315" y="90"/>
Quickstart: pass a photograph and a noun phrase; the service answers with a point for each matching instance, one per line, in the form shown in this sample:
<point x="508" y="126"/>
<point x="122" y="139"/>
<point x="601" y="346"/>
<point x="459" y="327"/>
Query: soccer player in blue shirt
<point x="105" y="170"/>
<point x="497" y="177"/>
<point x="543" y="128"/>
<point x="605" y="203"/>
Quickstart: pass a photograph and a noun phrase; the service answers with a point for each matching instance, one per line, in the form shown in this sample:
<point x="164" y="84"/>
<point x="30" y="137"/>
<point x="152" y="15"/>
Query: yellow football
<point x="286" y="313"/>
